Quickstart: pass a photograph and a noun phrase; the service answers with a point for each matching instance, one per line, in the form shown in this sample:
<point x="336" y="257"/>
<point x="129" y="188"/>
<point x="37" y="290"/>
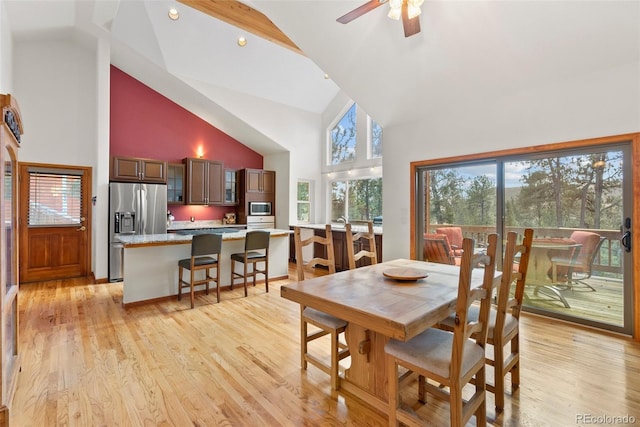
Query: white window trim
<point x="309" y="202"/>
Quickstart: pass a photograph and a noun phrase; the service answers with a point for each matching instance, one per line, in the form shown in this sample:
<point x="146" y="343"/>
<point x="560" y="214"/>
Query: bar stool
<point x="202" y="247"/>
<point x="256" y="249"/>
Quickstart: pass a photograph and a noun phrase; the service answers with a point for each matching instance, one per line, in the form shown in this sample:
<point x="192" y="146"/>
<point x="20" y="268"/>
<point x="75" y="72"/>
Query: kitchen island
<point x="151" y="262"/>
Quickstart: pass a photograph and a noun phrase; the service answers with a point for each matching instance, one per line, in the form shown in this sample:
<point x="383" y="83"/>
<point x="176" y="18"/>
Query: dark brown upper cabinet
<point x="134" y="169"/>
<point x="205" y="181"/>
<point x="260" y="181"/>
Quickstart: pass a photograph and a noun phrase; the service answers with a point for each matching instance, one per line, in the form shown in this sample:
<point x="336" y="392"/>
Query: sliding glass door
<point x="579" y="205"/>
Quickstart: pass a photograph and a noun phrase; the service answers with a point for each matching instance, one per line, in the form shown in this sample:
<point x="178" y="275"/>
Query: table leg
<point x="367" y="376"/>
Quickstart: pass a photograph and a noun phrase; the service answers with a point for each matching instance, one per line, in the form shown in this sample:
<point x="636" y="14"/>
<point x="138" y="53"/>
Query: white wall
<point x="6" y="52"/>
<point x="100" y="240"/>
<point x="281" y="164"/>
<point x="586" y="106"/>
<point x="62" y="88"/>
<point x="56" y="83"/>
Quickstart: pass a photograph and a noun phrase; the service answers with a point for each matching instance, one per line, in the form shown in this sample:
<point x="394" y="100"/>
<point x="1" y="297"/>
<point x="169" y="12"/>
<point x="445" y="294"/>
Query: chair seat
<point x="562" y="274"/>
<point x="186" y="263"/>
<point x="203" y="247"/>
<point x="250" y="256"/>
<point x="323" y="318"/>
<point x="431" y="350"/>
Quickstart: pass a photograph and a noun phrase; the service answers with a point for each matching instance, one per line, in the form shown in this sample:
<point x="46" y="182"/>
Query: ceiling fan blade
<point x="359" y="11"/>
<point x="411" y="26"/>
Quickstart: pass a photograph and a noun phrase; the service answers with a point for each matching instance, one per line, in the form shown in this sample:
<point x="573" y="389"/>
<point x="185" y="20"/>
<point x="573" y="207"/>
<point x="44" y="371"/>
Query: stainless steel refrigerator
<point x="133" y="209"/>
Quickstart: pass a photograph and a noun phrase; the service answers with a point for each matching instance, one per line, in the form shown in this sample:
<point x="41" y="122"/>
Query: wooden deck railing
<point x="607" y="261"/>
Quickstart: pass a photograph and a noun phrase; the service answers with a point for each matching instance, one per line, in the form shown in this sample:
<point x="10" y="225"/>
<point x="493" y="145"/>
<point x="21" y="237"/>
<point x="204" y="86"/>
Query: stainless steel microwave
<point x="260" y="208"/>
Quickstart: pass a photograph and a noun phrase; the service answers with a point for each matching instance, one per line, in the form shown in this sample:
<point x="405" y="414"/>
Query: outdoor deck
<point x="605" y="304"/>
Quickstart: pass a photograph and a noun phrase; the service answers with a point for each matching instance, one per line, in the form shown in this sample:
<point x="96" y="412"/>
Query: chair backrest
<point x="257" y="239"/>
<point x="327" y="242"/>
<point x="590" y="245"/>
<point x="512" y="271"/>
<point x="206" y="244"/>
<point x="464" y="327"/>
<point x="437" y="249"/>
<point x="454" y="234"/>
<point x="367" y="237"/>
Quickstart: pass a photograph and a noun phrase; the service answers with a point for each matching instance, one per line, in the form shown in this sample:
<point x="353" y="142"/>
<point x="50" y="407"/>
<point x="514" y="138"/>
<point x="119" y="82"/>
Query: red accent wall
<point x="145" y="124"/>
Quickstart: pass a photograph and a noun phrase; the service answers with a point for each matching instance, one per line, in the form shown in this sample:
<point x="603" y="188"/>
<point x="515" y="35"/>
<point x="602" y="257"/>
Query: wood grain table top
<point x="396" y="309"/>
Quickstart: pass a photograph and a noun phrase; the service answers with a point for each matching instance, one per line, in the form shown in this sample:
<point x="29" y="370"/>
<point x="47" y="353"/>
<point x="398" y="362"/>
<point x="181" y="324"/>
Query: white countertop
<point x="174" y="238"/>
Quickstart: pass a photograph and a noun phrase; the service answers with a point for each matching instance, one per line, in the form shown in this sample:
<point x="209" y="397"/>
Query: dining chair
<point x="454" y="234"/>
<point x="366" y="243"/>
<point x="256" y="249"/>
<point x="504" y="318"/>
<point x="436" y="248"/>
<point x="450" y="359"/>
<point x="563" y="268"/>
<point x="205" y="255"/>
<point x="324" y="323"/>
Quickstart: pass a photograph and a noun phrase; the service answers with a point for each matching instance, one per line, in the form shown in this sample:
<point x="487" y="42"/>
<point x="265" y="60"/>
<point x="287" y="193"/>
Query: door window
<point x="54" y="198"/>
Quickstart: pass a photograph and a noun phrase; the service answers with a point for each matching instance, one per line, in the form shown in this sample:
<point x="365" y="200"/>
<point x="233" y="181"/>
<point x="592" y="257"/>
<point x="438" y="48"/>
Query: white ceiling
<point x="467" y="50"/>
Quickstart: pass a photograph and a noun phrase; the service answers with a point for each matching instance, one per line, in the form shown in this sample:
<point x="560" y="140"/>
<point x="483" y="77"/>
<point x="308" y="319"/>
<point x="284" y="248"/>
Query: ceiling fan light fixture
<point x="394" y="14"/>
<point x="413" y="11"/>
<point x="395" y="9"/>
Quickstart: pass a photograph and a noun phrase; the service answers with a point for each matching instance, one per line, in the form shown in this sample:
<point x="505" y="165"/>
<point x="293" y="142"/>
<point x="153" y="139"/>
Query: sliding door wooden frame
<point x="633" y="138"/>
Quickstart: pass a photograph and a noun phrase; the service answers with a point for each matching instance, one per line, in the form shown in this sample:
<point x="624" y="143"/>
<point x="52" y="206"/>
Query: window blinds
<point x="55" y="198"/>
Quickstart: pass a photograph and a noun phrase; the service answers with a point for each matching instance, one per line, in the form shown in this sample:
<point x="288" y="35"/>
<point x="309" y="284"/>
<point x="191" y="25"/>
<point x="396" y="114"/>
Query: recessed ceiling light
<point x="242" y="42"/>
<point x="326" y="76"/>
<point x="174" y="14"/>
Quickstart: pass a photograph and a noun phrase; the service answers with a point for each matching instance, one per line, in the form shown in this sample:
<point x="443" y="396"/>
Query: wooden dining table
<point x="378" y="308"/>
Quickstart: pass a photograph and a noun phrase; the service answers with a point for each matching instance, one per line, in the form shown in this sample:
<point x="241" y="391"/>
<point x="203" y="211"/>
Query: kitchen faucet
<point x="342" y="220"/>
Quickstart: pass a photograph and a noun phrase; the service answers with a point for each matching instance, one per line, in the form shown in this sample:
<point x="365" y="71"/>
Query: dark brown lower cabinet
<point x="340" y="249"/>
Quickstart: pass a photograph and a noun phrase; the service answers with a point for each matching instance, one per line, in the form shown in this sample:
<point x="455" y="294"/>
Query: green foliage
<point x="571" y="192"/>
<point x="576" y="191"/>
<point x="303" y="190"/>
<point x="363" y="196"/>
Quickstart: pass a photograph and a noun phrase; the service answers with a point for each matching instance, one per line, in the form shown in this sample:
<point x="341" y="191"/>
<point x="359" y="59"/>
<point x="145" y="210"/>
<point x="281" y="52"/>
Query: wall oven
<point x="256" y="222"/>
<point x="260" y="208"/>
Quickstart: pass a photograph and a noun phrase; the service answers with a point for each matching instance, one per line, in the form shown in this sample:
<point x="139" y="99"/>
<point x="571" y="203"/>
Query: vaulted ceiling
<point x="467" y="51"/>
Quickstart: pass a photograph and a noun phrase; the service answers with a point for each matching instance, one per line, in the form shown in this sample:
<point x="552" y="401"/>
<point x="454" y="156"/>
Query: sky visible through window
<point x="343" y="138"/>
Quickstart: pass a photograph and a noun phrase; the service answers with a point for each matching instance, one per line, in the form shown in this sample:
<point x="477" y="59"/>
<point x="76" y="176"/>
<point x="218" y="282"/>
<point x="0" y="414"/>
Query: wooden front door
<point x="55" y="226"/>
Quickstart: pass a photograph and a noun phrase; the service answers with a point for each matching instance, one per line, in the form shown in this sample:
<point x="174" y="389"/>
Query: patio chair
<point x="436" y="248"/>
<point x="564" y="268"/>
<point x="454" y="234"/>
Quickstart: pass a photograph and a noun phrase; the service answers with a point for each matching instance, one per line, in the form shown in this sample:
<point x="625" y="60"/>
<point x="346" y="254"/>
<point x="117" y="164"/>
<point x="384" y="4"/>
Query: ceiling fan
<point x="408" y="9"/>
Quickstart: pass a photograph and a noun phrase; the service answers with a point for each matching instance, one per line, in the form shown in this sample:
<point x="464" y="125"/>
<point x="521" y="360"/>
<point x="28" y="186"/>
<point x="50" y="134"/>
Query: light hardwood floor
<point x="87" y="361"/>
